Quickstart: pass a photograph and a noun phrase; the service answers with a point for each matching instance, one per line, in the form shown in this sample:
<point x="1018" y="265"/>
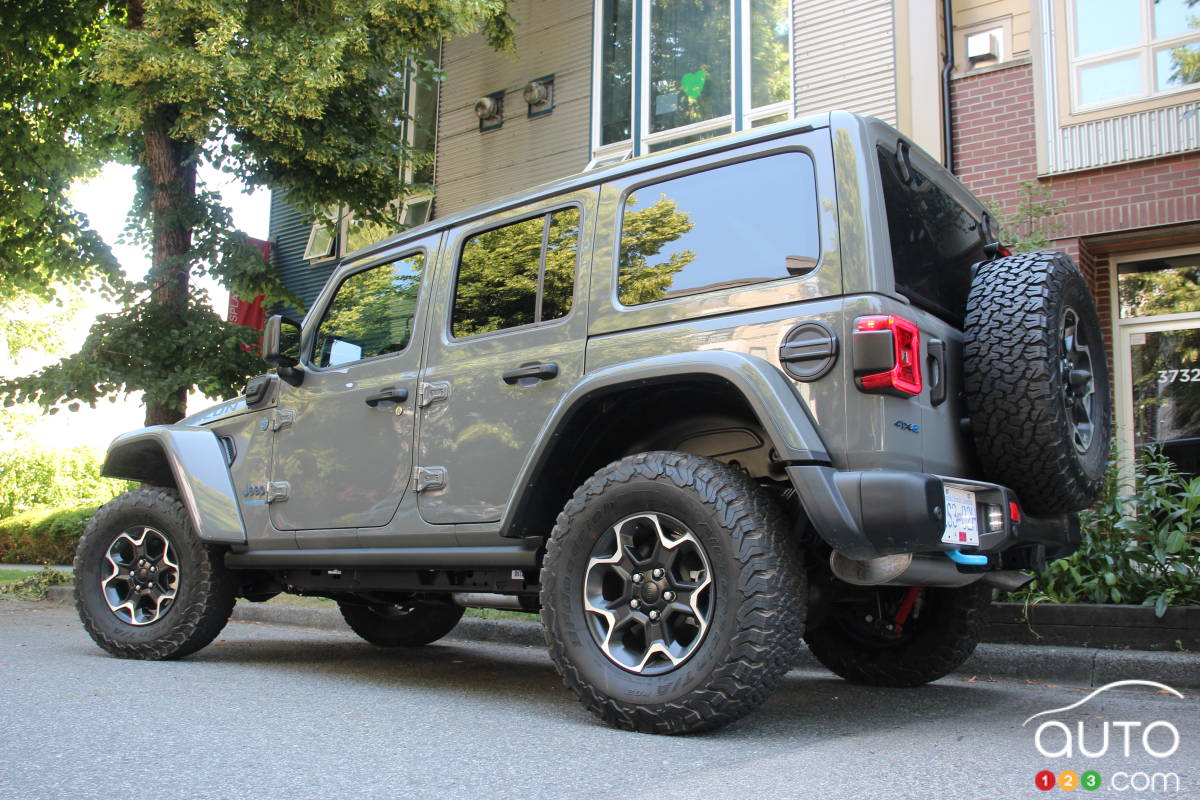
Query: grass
<point x="12" y="575"/>
<point x="34" y="585"/>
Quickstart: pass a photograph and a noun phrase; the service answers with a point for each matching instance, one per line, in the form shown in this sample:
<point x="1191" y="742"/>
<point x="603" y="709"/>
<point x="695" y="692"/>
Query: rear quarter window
<point x="935" y="241"/>
<point x="731" y="226"/>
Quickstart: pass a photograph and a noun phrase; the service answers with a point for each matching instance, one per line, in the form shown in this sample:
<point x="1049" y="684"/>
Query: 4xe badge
<point x="911" y="427"/>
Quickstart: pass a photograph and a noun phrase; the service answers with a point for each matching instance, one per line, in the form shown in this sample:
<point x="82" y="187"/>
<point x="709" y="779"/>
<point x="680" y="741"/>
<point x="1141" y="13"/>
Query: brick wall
<point x="994" y="150"/>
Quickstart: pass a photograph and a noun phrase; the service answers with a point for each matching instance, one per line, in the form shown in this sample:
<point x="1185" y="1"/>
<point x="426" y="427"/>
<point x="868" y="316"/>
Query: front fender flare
<point x="779" y="408"/>
<point x="191" y="459"/>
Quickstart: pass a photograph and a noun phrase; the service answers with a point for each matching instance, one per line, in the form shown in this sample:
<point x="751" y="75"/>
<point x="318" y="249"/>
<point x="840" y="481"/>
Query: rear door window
<point x="518" y="274"/>
<point x="935" y="241"/>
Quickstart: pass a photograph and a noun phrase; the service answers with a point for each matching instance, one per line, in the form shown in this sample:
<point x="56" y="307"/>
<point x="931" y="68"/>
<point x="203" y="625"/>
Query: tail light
<point x="887" y="355"/>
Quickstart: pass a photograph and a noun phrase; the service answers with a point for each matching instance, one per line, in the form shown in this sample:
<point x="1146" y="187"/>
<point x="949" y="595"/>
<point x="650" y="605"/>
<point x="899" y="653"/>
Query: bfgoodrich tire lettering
<point x="754" y="619"/>
<point x="1037" y="385"/>
<point x="204" y="593"/>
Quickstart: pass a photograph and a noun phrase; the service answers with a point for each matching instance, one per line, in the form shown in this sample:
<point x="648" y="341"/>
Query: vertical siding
<point x="845" y="57"/>
<point x="1132" y="137"/>
<point x="289" y="236"/>
<point x="554" y="37"/>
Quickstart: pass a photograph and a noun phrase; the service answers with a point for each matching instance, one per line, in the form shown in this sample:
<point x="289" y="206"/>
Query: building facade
<point x="1089" y="103"/>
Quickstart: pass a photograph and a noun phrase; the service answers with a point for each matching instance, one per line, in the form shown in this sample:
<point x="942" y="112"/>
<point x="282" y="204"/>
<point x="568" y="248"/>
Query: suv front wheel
<point x="145" y="585"/>
<point x="672" y="598"/>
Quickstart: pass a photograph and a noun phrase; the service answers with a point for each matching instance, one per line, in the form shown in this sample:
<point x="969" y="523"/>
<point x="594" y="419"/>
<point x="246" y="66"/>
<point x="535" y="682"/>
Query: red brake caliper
<point x="906" y="606"/>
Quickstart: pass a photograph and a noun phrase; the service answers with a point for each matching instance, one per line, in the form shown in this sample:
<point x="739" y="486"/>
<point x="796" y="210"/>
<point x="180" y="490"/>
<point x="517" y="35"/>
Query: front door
<point x="506" y="342"/>
<point x="344" y="438"/>
<point x="1158" y="357"/>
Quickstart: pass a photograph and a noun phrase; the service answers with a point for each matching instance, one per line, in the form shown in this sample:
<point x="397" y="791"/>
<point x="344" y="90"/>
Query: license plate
<point x="962" y="521"/>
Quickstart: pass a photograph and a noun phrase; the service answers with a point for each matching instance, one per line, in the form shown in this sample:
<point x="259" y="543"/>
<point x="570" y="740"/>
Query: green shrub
<point x="38" y="477"/>
<point x="44" y="536"/>
<point x="35" y="586"/>
<point x="1141" y="543"/>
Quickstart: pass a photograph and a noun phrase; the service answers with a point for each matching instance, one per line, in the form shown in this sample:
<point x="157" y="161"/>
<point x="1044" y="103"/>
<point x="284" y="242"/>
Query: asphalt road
<point x="276" y="712"/>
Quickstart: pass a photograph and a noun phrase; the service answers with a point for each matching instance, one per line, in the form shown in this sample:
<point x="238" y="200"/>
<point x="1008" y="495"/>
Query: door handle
<point x="389" y="395"/>
<point x="937" y="379"/>
<point x="538" y="372"/>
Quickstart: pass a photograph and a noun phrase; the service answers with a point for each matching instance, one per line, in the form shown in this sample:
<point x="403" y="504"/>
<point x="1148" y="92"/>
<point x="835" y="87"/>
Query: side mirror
<point x="281" y="348"/>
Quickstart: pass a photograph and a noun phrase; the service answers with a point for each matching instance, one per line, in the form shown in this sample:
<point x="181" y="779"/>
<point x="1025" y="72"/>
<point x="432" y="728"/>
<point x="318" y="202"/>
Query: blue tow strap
<point x="959" y="557"/>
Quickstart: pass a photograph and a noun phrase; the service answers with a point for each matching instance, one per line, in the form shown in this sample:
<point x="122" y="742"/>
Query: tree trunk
<point x="169" y="175"/>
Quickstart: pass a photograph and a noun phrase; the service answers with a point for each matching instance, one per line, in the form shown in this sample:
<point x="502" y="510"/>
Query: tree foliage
<point x="1033" y="222"/>
<point x="304" y="97"/>
<point x="50" y="135"/>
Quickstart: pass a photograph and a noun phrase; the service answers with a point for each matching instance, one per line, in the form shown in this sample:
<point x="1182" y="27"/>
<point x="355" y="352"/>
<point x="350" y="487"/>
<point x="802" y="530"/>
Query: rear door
<point x="506" y="342"/>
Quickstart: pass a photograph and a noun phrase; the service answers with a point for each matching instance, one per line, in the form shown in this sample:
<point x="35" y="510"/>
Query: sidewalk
<point x="1074" y="666"/>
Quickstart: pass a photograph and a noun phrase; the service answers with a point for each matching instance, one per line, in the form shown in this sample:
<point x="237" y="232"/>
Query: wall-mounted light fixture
<point x="984" y="47"/>
<point x="539" y="96"/>
<point x="490" y="110"/>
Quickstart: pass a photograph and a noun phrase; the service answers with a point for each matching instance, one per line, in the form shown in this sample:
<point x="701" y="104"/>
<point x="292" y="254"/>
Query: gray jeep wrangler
<point x="695" y="409"/>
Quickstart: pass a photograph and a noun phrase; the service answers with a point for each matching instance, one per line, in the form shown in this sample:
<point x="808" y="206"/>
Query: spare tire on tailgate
<point x="1037" y="385"/>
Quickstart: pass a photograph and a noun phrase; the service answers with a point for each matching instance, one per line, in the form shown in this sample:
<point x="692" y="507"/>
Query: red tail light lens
<point x="904" y="376"/>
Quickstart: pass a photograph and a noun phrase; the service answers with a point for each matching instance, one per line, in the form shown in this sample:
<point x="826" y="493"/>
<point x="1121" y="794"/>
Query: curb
<point x="1077" y="666"/>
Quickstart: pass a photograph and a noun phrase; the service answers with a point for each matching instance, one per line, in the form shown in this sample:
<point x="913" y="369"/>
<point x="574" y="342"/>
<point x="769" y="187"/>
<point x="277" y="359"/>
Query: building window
<point x="1127" y="50"/>
<point x="1157" y="357"/>
<point x="670" y="72"/>
<point x="340" y="234"/>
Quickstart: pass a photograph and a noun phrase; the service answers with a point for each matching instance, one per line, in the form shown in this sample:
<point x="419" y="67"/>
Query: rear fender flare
<point x="779" y="408"/>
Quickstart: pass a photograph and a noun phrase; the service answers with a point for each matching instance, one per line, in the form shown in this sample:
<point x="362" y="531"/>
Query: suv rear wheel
<point x="865" y="638"/>
<point x="145" y="585"/>
<point x="672" y="597"/>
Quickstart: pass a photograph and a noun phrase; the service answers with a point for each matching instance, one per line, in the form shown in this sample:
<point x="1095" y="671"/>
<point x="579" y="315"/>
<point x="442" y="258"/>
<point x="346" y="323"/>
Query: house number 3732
<point x="1185" y="375"/>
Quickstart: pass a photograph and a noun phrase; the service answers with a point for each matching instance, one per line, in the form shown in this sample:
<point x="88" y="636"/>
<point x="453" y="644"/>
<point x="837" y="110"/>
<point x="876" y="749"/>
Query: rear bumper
<point x="871" y="514"/>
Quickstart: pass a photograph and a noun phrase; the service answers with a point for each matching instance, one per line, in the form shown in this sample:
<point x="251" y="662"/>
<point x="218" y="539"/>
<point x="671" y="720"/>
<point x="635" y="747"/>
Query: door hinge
<point x="429" y="478"/>
<point x="435" y="392"/>
<point x="278" y="491"/>
<point x="283" y="419"/>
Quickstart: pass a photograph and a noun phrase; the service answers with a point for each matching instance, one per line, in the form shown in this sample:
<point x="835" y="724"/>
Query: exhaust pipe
<point x="903" y="569"/>
<point x="503" y="602"/>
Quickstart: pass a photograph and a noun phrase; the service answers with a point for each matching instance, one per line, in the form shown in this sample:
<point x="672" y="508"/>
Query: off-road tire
<point x="930" y="646"/>
<point x="757" y="611"/>
<point x="1015" y="381"/>
<point x="206" y="590"/>
<point x="408" y="624"/>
